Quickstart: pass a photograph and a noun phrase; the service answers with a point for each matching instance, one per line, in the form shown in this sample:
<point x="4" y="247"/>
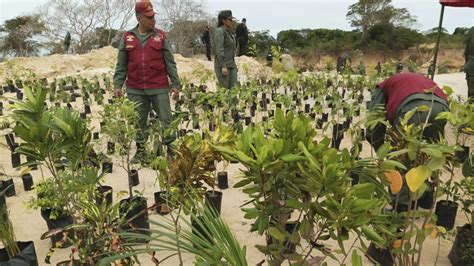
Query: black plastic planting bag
<point x="26" y="257"/>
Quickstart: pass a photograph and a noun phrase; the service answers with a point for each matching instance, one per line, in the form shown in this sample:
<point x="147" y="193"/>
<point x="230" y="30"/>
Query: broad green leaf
<point x="383" y="150"/>
<point x="275" y="233"/>
<point x="372" y="235"/>
<point x="356" y="259"/>
<point x="432" y="152"/>
<point x="363" y="191"/>
<point x="417" y="176"/>
<point x="436" y="163"/>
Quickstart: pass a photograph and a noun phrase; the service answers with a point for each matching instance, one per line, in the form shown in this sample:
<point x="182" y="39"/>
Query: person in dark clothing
<point x="242" y="34"/>
<point x="206" y="39"/>
<point x="399" y="67"/>
<point x="378" y="68"/>
<point x="402" y="93"/>
<point x="269" y="58"/>
<point x="431" y="69"/>
<point x="469" y="66"/>
<point x="67" y="42"/>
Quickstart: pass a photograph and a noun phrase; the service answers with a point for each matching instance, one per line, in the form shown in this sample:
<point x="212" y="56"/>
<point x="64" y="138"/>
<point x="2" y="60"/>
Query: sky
<point x="277" y="15"/>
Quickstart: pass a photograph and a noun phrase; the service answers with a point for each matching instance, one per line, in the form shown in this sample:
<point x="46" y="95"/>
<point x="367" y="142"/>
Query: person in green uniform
<point x="146" y="65"/>
<point x="469" y="66"/>
<point x="224" y="43"/>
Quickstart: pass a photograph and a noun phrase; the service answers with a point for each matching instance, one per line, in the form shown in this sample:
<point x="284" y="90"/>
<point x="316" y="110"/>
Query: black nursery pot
<point x="27" y="181"/>
<point x="426" y="200"/>
<point x="160" y="200"/>
<point x="133" y="179"/>
<point x="214" y="200"/>
<point x="199" y="227"/>
<point x="59" y="222"/>
<point x="3" y="199"/>
<point x="10" y="187"/>
<point x="107" y="167"/>
<point x="222" y="180"/>
<point x="381" y="256"/>
<point x="325" y="117"/>
<point x="32" y="166"/>
<point x="10" y="138"/>
<point x="26" y="257"/>
<point x="87" y="109"/>
<point x="337" y="135"/>
<point x="16" y="160"/>
<point x="290" y="227"/>
<point x="248" y="120"/>
<point x="462" y="155"/>
<point x="319" y="124"/>
<point x="105" y="193"/>
<point x="446" y="212"/>
<point x="461" y="253"/>
<point x="110" y="147"/>
<point x="136" y="208"/>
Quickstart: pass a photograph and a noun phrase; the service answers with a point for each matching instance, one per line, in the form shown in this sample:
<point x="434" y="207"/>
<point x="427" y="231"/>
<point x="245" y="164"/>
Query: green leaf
<point x="388" y="164"/>
<point x="432" y="152"/>
<point x="372" y="235"/>
<point x="277" y="234"/>
<point x="289" y="158"/>
<point x="356" y="259"/>
<point x="436" y="163"/>
<point x="242" y="183"/>
<point x="363" y="191"/>
<point x="383" y="150"/>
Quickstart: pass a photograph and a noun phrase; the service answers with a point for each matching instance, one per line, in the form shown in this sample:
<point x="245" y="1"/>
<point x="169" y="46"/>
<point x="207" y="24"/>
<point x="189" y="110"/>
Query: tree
<point x="185" y="20"/>
<point x="21" y="36"/>
<point x="262" y="41"/>
<point x="367" y="13"/>
<point x="83" y="18"/>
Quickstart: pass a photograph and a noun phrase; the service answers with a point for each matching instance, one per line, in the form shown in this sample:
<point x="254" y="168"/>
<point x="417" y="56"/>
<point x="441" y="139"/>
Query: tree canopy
<point x="21" y="36"/>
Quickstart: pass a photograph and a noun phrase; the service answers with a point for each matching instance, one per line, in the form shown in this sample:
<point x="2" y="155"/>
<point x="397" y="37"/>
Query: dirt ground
<point x="29" y="225"/>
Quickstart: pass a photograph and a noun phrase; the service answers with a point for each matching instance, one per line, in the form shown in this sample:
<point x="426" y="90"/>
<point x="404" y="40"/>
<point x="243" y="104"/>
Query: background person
<point x="224" y="47"/>
<point x="469" y="65"/>
<point x="206" y="39"/>
<point x="242" y="37"/>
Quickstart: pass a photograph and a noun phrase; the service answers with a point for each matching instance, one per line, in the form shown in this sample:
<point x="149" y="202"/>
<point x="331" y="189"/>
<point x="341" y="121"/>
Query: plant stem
<point x="437" y="252"/>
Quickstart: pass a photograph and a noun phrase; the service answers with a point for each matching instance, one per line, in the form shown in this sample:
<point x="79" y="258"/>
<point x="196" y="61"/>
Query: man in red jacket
<point x="146" y="65"/>
<point x="402" y="93"/>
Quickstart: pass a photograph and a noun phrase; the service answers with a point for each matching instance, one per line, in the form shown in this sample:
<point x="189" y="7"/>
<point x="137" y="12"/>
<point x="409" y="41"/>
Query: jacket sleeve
<point x="121" y="67"/>
<point x="376" y="136"/>
<point x="171" y="67"/>
<point x="219" y="47"/>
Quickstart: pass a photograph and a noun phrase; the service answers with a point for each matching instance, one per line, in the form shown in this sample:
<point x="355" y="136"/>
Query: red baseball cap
<point x="145" y="8"/>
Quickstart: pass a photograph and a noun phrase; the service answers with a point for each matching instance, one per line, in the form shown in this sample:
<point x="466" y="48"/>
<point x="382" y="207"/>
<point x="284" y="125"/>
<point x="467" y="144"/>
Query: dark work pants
<point x="208" y="51"/>
<point x="242" y="47"/>
<point x="470" y="86"/>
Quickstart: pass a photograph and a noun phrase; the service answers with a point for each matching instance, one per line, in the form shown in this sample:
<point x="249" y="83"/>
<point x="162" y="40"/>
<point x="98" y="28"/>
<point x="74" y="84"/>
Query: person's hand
<point x="174" y="93"/>
<point x="118" y="92"/>
<point x="225" y="71"/>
